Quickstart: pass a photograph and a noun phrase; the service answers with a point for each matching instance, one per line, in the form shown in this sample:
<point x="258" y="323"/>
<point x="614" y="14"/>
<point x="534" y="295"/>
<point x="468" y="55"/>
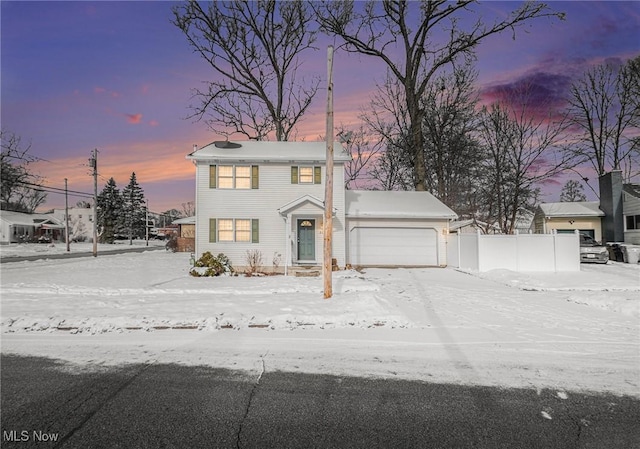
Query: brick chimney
<point x="611" y="205"/>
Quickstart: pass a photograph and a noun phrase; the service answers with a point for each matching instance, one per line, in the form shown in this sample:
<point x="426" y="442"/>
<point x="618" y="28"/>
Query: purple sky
<point x="116" y="76"/>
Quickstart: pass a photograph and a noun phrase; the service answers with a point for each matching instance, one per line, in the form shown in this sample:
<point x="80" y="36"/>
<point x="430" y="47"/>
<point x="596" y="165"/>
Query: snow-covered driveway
<point x="568" y="331"/>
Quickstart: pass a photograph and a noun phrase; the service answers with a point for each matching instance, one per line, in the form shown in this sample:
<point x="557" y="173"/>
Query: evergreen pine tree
<point x="109" y="212"/>
<point x="133" y="209"/>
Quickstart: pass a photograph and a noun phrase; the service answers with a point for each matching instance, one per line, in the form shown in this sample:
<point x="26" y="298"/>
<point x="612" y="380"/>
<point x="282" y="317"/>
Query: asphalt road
<point x="48" y="404"/>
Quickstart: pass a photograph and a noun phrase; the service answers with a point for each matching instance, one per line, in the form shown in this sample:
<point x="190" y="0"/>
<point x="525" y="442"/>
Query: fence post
<point x="478" y="250"/>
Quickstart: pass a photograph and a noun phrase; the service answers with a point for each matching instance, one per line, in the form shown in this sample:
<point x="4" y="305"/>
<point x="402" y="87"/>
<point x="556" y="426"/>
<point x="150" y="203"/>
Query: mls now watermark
<point x="37" y="436"/>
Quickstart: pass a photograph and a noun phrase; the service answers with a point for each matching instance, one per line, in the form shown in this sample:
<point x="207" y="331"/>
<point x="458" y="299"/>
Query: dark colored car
<point x="592" y="251"/>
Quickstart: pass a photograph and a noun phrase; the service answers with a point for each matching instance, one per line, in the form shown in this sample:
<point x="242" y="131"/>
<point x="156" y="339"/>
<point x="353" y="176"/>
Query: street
<point x="46" y="403"/>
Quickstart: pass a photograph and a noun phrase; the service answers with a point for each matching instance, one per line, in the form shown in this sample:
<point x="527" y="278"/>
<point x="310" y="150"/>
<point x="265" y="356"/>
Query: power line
<point x="49" y="189"/>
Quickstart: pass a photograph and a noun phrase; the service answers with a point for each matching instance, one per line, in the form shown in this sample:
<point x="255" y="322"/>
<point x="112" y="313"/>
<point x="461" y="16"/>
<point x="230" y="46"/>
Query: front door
<point x="306" y="239"/>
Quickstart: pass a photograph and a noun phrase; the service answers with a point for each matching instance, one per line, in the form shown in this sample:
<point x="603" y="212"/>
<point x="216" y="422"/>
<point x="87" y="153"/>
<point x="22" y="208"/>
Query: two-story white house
<point x="269" y="196"/>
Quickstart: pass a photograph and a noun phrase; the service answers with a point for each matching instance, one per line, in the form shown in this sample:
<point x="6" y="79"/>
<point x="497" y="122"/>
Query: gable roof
<point x="263" y="151"/>
<point x="572" y="209"/>
<point x="22" y="219"/>
<point x="395" y="204"/>
<point x="305" y="199"/>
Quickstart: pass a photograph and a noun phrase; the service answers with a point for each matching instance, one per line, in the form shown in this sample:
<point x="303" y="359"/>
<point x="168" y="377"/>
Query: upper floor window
<point x="233" y="176"/>
<point x="306" y="175"/>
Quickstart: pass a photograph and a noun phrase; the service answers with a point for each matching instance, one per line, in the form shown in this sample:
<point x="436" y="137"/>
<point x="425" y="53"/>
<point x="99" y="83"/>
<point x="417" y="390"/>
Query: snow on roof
<point x="184" y="220"/>
<point x="22" y="219"/>
<point x="395" y="204"/>
<point x="269" y="152"/>
<point x="572" y="209"/>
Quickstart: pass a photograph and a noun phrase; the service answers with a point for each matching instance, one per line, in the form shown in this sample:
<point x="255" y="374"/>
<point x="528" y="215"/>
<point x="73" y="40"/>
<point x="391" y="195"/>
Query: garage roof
<point x="395" y="204"/>
<point x="574" y="209"/>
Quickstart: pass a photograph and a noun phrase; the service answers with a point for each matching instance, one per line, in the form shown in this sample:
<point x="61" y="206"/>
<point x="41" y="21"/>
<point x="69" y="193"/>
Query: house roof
<point x="305" y="199"/>
<point x="395" y="204"/>
<point x="632" y="189"/>
<point x="262" y="151"/>
<point x="22" y="219"/>
<point x="184" y="220"/>
<point x="572" y="209"/>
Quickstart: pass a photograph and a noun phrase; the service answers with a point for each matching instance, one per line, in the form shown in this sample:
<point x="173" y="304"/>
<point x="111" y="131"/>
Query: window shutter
<point x="317" y="175"/>
<point x="212" y="176"/>
<point x="255" y="177"/>
<point x="212" y="230"/>
<point x="294" y="175"/>
<point x="255" y="230"/>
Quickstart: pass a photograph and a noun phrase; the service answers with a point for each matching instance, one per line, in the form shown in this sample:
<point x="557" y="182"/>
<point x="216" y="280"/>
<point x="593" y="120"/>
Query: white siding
<point x="275" y="190"/>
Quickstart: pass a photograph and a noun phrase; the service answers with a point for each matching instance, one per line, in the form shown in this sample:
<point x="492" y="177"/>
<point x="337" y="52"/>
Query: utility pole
<point x="327" y="269"/>
<point x="66" y="214"/>
<point x="146" y="221"/>
<point x="93" y="162"/>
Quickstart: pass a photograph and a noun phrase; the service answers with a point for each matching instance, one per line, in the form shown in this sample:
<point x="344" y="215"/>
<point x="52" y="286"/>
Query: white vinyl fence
<point x="518" y="252"/>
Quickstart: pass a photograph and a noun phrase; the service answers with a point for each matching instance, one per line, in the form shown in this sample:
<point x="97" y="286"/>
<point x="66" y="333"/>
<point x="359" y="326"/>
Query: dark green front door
<point x="306" y="239"/>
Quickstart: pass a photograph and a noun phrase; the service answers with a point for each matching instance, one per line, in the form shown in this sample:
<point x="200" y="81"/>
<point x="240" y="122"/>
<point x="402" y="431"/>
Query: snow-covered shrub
<point x="172" y="243"/>
<point x="208" y="265"/>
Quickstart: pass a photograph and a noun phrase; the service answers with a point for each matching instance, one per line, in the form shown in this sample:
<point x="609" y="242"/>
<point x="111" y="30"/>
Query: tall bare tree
<point x="363" y="149"/>
<point x="522" y="151"/>
<point x="430" y="37"/>
<point x="20" y="187"/>
<point x="605" y="107"/>
<point x="254" y="49"/>
<point x="449" y="147"/>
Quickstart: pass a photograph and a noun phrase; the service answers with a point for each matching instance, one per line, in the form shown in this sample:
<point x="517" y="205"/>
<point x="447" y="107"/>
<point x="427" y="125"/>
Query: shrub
<point x="172" y="243"/>
<point x="208" y="265"/>
<point x="254" y="261"/>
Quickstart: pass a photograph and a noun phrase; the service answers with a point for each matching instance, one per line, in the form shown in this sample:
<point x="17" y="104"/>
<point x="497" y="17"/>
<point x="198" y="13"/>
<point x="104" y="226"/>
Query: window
<point x="234" y="176"/>
<point x="234" y="230"/>
<point x="225" y="176"/>
<point x="243" y="230"/>
<point x="306" y="175"/>
<point x="633" y="222"/>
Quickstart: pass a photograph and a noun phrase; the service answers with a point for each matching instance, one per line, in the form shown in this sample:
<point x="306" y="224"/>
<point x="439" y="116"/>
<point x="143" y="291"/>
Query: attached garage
<point x="389" y="245"/>
<point x="390" y="228"/>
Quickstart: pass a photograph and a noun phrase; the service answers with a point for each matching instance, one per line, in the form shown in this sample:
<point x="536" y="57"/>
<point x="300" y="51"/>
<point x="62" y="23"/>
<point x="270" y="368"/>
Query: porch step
<point x="307" y="273"/>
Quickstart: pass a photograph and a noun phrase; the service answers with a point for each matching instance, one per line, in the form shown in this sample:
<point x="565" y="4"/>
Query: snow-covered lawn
<point x="566" y="331"/>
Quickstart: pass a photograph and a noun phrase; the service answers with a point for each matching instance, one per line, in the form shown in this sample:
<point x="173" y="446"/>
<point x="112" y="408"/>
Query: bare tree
<point x="523" y="151"/>
<point x="254" y="49"/>
<point x="377" y="29"/>
<point x="363" y="150"/>
<point x="188" y="209"/>
<point x="449" y="148"/>
<point x="21" y="189"/>
<point x="604" y="107"/>
<point x="572" y="191"/>
<point x="386" y="116"/>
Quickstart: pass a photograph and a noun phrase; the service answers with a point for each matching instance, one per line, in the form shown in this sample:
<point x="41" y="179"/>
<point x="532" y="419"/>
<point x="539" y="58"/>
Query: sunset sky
<point x="116" y="76"/>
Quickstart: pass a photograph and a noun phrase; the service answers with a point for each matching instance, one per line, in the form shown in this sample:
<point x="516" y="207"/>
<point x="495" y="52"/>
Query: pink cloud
<point x="99" y="90"/>
<point x="134" y="119"/>
<point x="153" y="123"/>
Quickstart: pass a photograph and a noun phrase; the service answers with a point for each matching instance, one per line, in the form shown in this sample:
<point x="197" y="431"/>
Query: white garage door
<point x="393" y="246"/>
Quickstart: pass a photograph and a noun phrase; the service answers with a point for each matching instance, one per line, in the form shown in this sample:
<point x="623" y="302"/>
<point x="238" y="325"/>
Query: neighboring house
<point x="186" y="233"/>
<point x="631" y="213"/>
<point x="584" y="216"/>
<point x="269" y="197"/>
<point x="472" y="226"/>
<point x="80" y="222"/>
<point x="17" y="227"/>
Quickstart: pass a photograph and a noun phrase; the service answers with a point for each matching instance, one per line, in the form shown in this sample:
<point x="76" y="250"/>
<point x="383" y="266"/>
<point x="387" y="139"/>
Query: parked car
<point x="592" y="251"/>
